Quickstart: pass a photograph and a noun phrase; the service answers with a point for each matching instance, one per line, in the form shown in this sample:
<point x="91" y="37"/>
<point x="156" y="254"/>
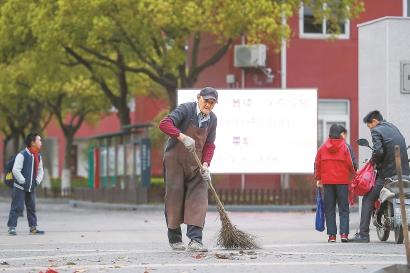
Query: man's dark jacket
<point x="385" y="136"/>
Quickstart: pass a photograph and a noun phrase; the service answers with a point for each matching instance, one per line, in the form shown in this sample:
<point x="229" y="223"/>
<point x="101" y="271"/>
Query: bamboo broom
<point x="229" y="236"/>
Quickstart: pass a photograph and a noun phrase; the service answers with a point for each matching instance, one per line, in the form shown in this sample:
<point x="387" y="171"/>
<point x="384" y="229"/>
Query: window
<point x="308" y="28"/>
<point x="332" y="112"/>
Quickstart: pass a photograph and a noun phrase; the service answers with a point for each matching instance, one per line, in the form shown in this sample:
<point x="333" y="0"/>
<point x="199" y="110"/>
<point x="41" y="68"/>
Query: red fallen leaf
<point x="49" y="271"/>
<point x="199" y="256"/>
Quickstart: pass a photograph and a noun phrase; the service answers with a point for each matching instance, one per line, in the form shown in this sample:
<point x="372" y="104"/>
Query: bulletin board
<point x="263" y="130"/>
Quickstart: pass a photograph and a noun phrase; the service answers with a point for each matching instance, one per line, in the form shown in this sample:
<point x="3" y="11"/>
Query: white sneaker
<point x="196" y="246"/>
<point x="177" y="246"/>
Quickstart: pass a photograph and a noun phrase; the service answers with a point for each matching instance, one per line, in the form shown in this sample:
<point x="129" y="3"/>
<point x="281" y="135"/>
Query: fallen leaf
<point x="221" y="256"/>
<point x="70" y="263"/>
<point x="228" y="256"/>
<point x="199" y="256"/>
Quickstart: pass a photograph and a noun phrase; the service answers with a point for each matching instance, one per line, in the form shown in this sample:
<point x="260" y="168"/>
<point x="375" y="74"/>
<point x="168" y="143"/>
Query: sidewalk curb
<point x="40" y="200"/>
<point x="160" y="207"/>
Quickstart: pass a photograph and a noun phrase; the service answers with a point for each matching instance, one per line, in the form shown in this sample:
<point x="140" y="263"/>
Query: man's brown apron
<point x="186" y="194"/>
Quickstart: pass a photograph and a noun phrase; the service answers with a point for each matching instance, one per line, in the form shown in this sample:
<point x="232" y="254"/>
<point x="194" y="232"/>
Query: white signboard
<point x="263" y="131"/>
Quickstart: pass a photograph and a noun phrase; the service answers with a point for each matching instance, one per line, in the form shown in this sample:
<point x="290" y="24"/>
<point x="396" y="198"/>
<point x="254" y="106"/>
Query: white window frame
<point x="405" y="6"/>
<point x="322" y="35"/>
<point x="335" y="118"/>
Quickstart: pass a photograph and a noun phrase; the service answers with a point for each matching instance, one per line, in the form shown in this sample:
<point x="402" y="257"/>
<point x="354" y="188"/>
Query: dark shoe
<point x="177" y="246"/>
<point x="196" y="247"/>
<point x="332" y="238"/>
<point x="360" y="239"/>
<point x="12" y="231"/>
<point x="344" y="238"/>
<point x="35" y="231"/>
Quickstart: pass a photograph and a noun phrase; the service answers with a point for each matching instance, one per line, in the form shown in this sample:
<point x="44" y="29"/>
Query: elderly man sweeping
<point x="191" y="128"/>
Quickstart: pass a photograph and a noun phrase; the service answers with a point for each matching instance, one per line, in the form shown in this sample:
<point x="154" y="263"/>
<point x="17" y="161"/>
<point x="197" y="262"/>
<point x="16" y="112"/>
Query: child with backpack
<point x="27" y="174"/>
<point x="334" y="166"/>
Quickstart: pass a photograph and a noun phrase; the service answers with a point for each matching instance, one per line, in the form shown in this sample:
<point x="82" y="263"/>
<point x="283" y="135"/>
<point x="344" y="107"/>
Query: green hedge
<point x="76" y="182"/>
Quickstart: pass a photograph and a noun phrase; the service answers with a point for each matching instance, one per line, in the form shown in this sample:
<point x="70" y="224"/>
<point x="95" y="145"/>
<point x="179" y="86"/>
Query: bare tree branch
<point x="47" y="121"/>
<point x="122" y="76"/>
<point x="195" y="49"/>
<point x="104" y="86"/>
<point x="156" y="46"/>
<point x="98" y="55"/>
<point x="195" y="71"/>
<point x="161" y="80"/>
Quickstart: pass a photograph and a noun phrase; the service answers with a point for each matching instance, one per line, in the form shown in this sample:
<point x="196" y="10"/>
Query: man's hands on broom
<point x="205" y="173"/>
<point x="188" y="142"/>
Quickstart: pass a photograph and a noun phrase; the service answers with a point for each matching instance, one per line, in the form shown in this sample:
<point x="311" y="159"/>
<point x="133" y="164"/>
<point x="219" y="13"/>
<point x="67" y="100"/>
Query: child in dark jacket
<point x="334" y="166"/>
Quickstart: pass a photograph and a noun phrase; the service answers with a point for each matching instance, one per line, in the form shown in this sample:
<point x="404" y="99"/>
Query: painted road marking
<point x="91" y="253"/>
<point x="185" y="265"/>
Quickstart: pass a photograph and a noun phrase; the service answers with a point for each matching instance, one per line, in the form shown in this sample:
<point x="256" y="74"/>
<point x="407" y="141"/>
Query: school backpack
<point x="8" y="170"/>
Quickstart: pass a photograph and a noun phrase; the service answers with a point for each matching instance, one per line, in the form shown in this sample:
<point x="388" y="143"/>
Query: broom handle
<point x="210" y="184"/>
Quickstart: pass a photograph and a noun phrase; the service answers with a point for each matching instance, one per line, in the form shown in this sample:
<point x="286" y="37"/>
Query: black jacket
<point x="385" y="136"/>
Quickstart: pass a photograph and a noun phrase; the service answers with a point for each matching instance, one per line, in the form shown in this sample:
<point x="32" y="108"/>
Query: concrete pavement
<point x="96" y="240"/>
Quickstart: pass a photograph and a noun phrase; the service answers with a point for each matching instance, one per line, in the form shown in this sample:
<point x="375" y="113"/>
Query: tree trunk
<point x="6" y="140"/>
<point x="172" y="96"/>
<point x="16" y="142"/>
<point x="66" y="174"/>
<point x="36" y="119"/>
<point x="124" y="114"/>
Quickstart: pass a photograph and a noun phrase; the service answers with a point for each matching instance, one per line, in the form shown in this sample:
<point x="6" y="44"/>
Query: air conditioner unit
<point x="250" y="55"/>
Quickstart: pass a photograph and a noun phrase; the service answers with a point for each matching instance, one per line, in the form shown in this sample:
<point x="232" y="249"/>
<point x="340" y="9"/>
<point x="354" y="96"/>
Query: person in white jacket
<point x="28" y="173"/>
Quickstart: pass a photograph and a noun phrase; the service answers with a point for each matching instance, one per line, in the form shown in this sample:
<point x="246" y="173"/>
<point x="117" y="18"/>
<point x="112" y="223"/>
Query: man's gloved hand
<point x="206" y="174"/>
<point x="189" y="143"/>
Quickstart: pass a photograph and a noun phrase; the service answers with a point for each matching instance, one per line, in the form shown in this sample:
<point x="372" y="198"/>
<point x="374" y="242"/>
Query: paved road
<point x="95" y="240"/>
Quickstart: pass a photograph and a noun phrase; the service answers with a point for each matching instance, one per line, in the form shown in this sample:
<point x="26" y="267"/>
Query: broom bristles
<point x="232" y="238"/>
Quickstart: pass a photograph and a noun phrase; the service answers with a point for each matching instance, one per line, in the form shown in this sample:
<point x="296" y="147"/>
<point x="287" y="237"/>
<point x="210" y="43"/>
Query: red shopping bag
<point x="363" y="182"/>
